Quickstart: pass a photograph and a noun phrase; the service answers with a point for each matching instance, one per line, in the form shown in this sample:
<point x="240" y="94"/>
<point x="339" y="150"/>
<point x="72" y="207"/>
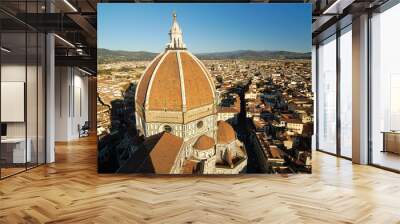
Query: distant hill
<point x="255" y="55"/>
<point x="107" y="56"/>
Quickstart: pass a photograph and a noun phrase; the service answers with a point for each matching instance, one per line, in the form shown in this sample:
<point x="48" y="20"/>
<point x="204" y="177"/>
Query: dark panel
<point x="49" y="22"/>
<point x="78" y="61"/>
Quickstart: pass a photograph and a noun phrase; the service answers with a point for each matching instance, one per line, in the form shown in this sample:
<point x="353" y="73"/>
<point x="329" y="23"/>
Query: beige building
<point x="176" y="112"/>
<point x="295" y="125"/>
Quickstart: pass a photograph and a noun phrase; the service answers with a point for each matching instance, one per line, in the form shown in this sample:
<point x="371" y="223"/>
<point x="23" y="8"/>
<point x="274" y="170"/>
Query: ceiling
<point x="75" y="22"/>
<point x="331" y="15"/>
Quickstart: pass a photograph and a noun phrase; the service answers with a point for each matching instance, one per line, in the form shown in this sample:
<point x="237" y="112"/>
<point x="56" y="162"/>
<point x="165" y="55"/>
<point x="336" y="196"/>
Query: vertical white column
<point x="360" y="90"/>
<point x="50" y="99"/>
<point x="50" y="92"/>
<point x="314" y="85"/>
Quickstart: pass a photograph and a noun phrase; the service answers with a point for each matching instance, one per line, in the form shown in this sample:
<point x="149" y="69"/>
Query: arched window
<point x="167" y="128"/>
<point x="200" y="124"/>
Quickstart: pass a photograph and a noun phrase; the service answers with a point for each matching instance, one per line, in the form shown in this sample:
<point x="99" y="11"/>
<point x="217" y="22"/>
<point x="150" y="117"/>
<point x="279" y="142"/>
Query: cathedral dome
<point x="225" y="133"/>
<point x="204" y="143"/>
<point x="174" y="79"/>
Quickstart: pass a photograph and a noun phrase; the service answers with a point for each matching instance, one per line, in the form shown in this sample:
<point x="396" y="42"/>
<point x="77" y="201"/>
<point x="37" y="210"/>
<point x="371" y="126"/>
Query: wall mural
<point x="229" y="93"/>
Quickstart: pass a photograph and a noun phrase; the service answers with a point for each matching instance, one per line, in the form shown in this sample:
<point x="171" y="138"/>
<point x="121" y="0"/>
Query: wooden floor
<point x="5" y="172"/>
<point x="387" y="159"/>
<point x="70" y="191"/>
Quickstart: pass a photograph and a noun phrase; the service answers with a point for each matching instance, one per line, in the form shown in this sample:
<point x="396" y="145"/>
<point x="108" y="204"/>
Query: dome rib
<point x="164" y="91"/>
<point x="203" y="67"/>
<point x="198" y="89"/>
<point x="144" y="81"/>
<point x="175" y="81"/>
<point x="183" y="92"/>
<point x="146" y="101"/>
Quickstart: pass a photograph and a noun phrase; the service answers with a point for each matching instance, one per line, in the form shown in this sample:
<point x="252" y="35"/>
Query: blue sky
<point x="206" y="27"/>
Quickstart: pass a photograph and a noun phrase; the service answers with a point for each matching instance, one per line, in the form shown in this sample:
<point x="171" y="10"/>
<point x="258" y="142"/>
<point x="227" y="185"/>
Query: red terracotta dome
<point x="174" y="80"/>
<point x="204" y="142"/>
<point x="225" y="133"/>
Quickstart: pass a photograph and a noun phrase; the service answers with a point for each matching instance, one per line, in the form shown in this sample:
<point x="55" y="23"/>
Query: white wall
<point x="71" y="103"/>
<point x="16" y="73"/>
<point x="33" y="126"/>
<point x="62" y="81"/>
<point x="13" y="73"/>
<point x="80" y="105"/>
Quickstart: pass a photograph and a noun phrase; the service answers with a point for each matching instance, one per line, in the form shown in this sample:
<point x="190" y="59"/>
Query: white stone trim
<point x="177" y="160"/>
<point x="203" y="66"/>
<point x="148" y="67"/>
<point x="199" y="63"/>
<point x="183" y="90"/>
<point x="146" y="102"/>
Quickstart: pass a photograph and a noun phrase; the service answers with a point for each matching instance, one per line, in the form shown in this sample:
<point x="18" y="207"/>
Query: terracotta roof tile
<point x="164" y="153"/>
<point x="144" y="83"/>
<point x="275" y="153"/>
<point x="204" y="142"/>
<point x="156" y="155"/>
<point x="189" y="167"/>
<point x="197" y="88"/>
<point x="225" y="133"/>
<point x="227" y="110"/>
<point x="139" y="162"/>
<point x="165" y="93"/>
